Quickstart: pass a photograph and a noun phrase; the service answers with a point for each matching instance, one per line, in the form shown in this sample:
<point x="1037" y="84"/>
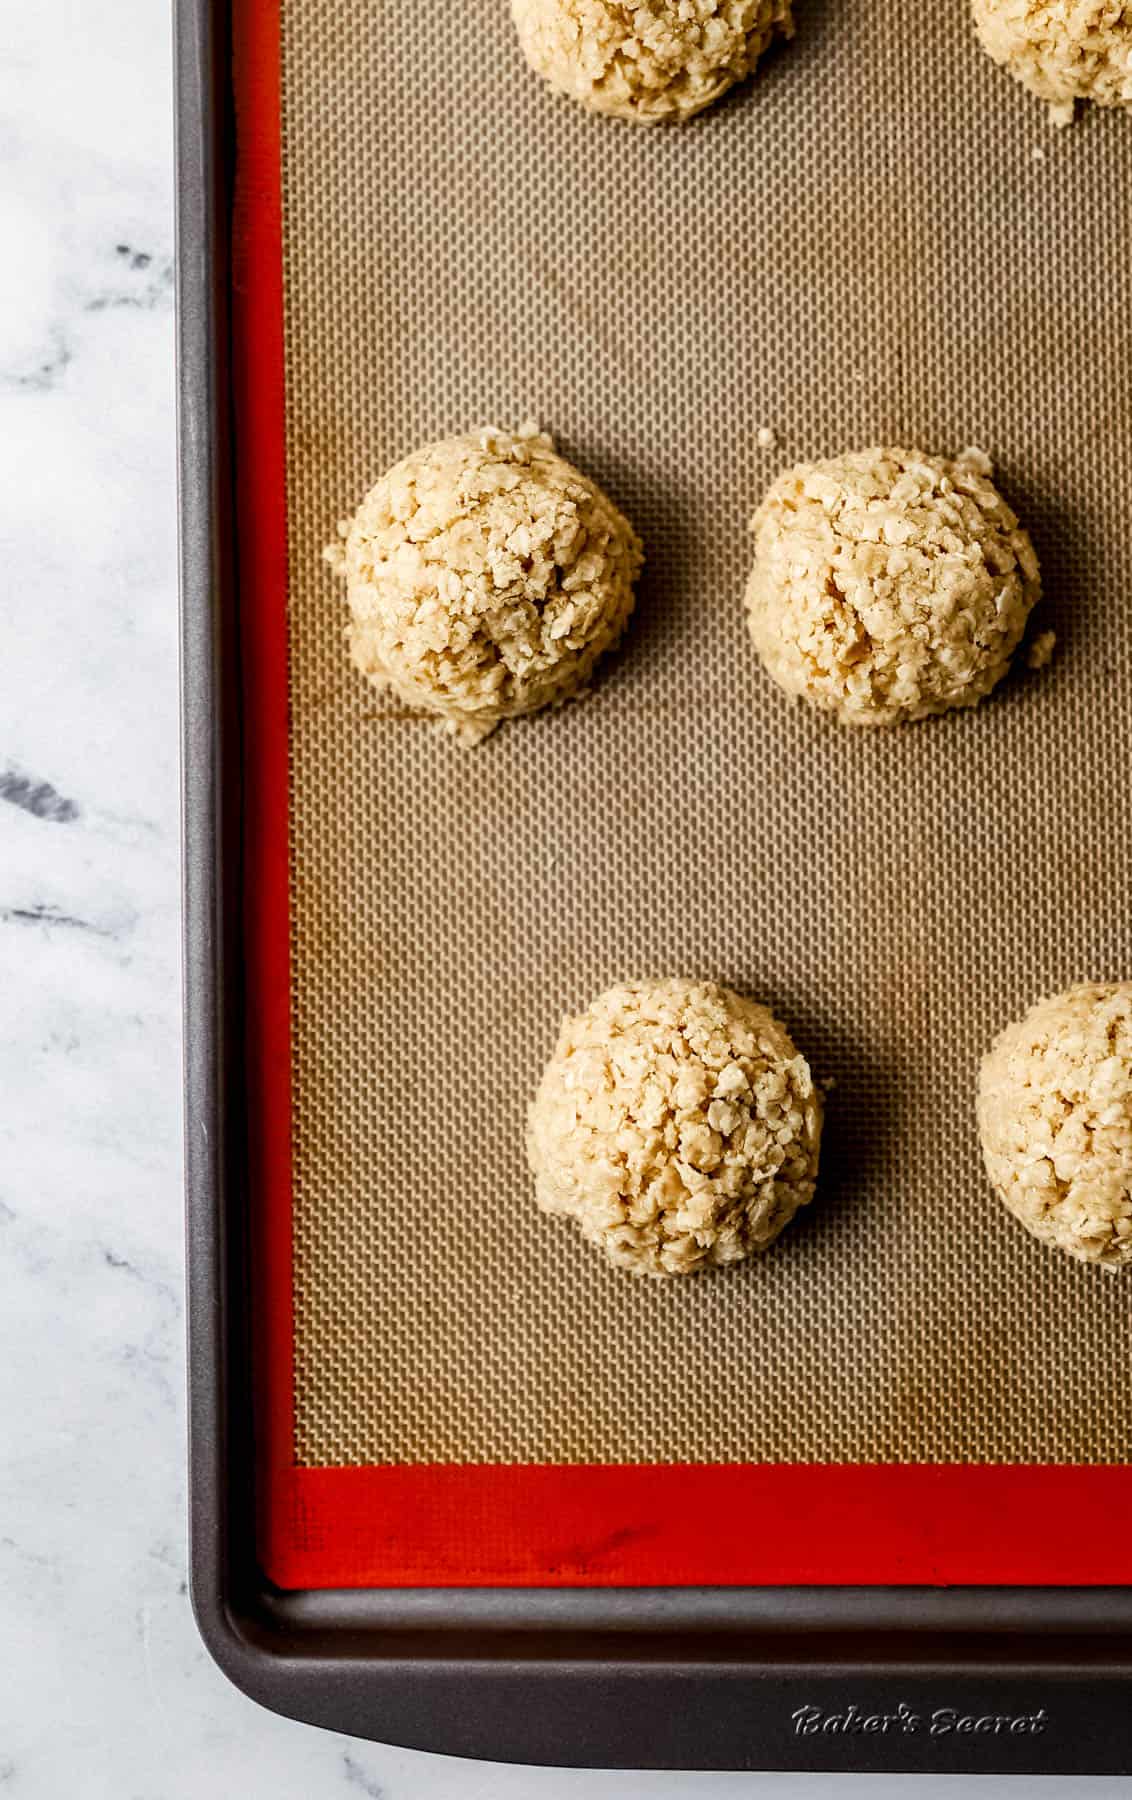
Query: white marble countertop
<point x="107" y="1693"/>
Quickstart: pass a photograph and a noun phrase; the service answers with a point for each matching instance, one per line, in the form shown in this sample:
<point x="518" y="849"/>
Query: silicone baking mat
<point x="879" y="240"/>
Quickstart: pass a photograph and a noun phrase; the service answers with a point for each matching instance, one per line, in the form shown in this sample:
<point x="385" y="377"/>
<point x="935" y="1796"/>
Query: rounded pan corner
<point x="232" y="1647"/>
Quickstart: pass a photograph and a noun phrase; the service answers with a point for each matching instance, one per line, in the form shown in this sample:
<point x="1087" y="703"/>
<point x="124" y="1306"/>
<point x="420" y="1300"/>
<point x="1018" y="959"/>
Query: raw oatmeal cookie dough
<point x="1055" y="1118"/>
<point x="647" y="60"/>
<point x="1062" y="50"/>
<point x="889" y="585"/>
<point x="678" y="1125"/>
<point x="485" y="576"/>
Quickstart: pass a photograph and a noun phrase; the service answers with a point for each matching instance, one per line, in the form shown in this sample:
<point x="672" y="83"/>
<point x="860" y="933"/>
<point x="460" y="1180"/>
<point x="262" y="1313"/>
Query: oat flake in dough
<point x="1062" y="50"/>
<point x="889" y="585"/>
<point x="678" y="1125"/>
<point x="1055" y="1119"/>
<point x="485" y="576"/>
<point x="647" y="60"/>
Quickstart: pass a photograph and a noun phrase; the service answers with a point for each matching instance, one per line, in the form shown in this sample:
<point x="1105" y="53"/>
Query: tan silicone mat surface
<point x="880" y="239"/>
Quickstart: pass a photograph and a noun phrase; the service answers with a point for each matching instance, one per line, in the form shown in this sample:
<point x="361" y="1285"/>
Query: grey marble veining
<point x="107" y="1693"/>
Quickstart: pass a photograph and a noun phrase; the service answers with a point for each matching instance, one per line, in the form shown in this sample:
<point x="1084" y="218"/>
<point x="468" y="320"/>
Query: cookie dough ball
<point x="1055" y="1118"/>
<point x="889" y="585"/>
<point x="1062" y="50"/>
<point x="647" y="60"/>
<point x="485" y="576"/>
<point x="678" y="1125"/>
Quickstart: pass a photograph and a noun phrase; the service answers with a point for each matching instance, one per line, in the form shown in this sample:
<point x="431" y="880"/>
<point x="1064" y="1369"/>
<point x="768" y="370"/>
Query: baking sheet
<point x="879" y="240"/>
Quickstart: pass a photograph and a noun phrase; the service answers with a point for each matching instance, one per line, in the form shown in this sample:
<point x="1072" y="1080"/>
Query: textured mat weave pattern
<point x="879" y="240"/>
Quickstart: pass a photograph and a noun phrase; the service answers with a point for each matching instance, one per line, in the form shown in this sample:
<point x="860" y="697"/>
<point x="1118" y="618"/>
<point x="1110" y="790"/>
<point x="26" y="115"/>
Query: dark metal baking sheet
<point x="913" y="1679"/>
